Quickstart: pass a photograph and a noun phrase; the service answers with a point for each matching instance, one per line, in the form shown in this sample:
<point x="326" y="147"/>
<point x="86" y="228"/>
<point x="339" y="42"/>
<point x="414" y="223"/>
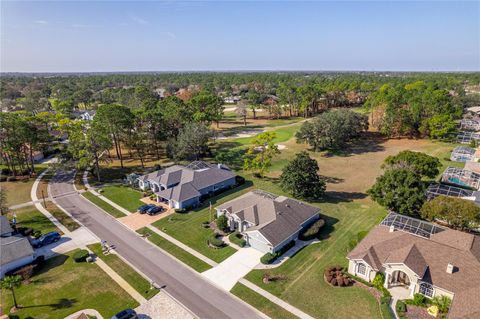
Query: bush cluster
<point x="336" y="277"/>
<point x="81" y="255"/>
<point x="400" y="307"/>
<point x="358" y="238"/>
<point x="312" y="231"/>
<point x="418" y="300"/>
<point x="237" y="239"/>
<point x="215" y="241"/>
<point x="268" y="258"/>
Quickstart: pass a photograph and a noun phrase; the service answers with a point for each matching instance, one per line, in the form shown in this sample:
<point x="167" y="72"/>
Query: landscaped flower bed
<point x="336" y="277"/>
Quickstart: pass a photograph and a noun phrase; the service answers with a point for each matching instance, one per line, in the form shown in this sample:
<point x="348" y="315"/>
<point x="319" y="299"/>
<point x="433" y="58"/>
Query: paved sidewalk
<point x="26" y="204"/>
<point x="297" y="312"/>
<point x="163" y="306"/>
<point x="94" y="192"/>
<point x="89" y="312"/>
<point x="183" y="246"/>
<point x="226" y="274"/>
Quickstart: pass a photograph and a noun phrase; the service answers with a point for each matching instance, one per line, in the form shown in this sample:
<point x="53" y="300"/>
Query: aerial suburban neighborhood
<point x="239" y="159"/>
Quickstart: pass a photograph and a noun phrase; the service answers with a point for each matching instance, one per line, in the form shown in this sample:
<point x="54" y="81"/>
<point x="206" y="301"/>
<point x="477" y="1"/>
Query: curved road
<point x="198" y="295"/>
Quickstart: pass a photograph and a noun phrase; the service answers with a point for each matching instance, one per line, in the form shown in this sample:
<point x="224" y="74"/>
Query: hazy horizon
<point x="231" y="36"/>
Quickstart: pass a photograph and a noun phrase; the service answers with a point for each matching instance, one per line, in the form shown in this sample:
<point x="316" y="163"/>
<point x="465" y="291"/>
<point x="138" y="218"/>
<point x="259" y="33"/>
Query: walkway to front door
<point x="226" y="274"/>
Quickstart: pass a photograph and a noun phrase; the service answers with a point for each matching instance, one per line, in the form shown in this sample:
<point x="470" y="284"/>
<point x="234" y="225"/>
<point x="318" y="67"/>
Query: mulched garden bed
<point x="416" y="312"/>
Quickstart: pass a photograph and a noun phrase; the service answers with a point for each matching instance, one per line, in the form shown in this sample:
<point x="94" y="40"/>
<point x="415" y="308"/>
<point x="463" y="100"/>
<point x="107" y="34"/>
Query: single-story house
<point x="463" y="154"/>
<point x="424" y="258"/>
<point x="5" y="229"/>
<point x="268" y="222"/>
<point x="85" y="115"/>
<point x="184" y="186"/>
<point x="16" y="252"/>
<point x="472" y="124"/>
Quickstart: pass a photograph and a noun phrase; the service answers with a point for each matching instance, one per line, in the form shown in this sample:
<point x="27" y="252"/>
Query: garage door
<point x="258" y="244"/>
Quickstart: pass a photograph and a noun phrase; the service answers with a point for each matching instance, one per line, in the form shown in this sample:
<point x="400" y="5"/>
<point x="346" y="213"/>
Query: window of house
<point x="361" y="269"/>
<point x="426" y="289"/>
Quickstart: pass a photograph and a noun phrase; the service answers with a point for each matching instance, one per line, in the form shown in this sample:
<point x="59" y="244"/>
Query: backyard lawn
<point x="137" y="281"/>
<point x="187" y="227"/>
<point x="63" y="287"/>
<point x="31" y="218"/>
<point x="179" y="253"/>
<point x="124" y="196"/>
<point x="103" y="205"/>
<point x="18" y="192"/>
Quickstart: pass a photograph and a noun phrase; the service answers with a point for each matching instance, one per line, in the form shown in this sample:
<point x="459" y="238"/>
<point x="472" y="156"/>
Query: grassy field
<point x="63" y="218"/>
<point x="63" y="287"/>
<point x="18" y="192"/>
<point x="124" y="196"/>
<point x="283" y="134"/>
<point x="31" y="218"/>
<point x="103" y="205"/>
<point x="138" y="282"/>
<point x="260" y="302"/>
<point x="187" y="227"/>
<point x="184" y="256"/>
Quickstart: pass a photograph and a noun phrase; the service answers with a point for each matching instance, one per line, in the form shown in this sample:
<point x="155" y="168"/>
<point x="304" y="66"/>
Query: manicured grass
<point x="63" y="218"/>
<point x="18" y="192"/>
<point x="282" y="135"/>
<point x="187" y="227"/>
<point x="63" y="287"/>
<point x="31" y="218"/>
<point x="79" y="180"/>
<point x="42" y="189"/>
<point x="103" y="205"/>
<point x="138" y="282"/>
<point x="258" y="301"/>
<point x="184" y="256"/>
<point x="124" y="196"/>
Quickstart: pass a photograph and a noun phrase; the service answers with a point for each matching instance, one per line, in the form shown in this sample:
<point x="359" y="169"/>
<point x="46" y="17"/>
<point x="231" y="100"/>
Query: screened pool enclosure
<point x="461" y="177"/>
<point x="463" y="154"/>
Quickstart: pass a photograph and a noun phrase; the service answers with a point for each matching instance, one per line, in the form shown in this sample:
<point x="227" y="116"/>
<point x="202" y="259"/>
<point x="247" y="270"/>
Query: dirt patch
<point x="415" y="312"/>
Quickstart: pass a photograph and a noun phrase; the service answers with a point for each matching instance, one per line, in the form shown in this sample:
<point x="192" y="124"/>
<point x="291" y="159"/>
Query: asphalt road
<point x="188" y="287"/>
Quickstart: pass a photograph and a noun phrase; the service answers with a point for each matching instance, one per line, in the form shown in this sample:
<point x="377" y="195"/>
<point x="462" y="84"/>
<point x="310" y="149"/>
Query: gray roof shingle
<point x="5" y="228"/>
<point x="14" y="248"/>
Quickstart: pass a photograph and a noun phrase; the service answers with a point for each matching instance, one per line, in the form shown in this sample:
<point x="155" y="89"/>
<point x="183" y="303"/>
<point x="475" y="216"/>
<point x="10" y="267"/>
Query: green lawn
<point x="283" y="135"/>
<point x="138" y="282"/>
<point x="62" y="217"/>
<point x="63" y="287"/>
<point x="103" y="205"/>
<point x="184" y="256"/>
<point x="31" y="218"/>
<point x="187" y="227"/>
<point x="258" y="301"/>
<point x="124" y="196"/>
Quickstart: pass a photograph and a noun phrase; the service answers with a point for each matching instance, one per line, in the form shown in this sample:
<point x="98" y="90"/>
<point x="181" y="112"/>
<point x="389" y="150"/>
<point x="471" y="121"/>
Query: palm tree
<point x="12" y="282"/>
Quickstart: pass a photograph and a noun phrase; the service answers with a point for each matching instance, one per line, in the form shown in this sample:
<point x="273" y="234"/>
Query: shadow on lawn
<point x="62" y="303"/>
<point x="370" y="142"/>
<point x="342" y="197"/>
<point x="50" y="264"/>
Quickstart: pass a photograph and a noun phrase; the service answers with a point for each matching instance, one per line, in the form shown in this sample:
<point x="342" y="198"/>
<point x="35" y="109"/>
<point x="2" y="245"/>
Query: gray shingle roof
<point x="276" y="218"/>
<point x="5" y="226"/>
<point x="14" y="248"/>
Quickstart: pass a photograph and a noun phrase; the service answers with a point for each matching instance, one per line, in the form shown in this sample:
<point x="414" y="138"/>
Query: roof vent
<point x="286" y="205"/>
<point x="392" y="229"/>
<point x="450" y="268"/>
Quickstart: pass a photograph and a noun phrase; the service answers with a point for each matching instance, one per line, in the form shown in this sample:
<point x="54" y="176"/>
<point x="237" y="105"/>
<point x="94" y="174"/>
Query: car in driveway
<point x="126" y="314"/>
<point x="143" y="209"/>
<point x="46" y="239"/>
<point x="155" y="210"/>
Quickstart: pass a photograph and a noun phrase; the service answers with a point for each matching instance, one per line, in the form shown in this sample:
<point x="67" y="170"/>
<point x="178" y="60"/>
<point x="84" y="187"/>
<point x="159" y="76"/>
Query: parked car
<point x="143" y="209"/>
<point x="154" y="210"/>
<point x="126" y="314"/>
<point x="46" y="239"/>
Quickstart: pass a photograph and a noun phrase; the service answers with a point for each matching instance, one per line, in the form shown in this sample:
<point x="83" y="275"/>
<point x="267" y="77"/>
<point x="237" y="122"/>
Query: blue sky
<point x="233" y="35"/>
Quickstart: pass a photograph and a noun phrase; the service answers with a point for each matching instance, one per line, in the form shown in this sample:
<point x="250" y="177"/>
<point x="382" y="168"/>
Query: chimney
<point x="450" y="268"/>
<point x="392" y="229"/>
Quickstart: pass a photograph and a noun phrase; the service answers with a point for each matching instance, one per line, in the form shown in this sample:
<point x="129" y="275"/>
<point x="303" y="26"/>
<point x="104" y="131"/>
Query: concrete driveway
<point x="226" y="274"/>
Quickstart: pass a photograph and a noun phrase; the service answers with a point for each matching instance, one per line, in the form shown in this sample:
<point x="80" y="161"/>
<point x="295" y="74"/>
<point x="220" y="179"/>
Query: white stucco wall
<point x="15" y="264"/>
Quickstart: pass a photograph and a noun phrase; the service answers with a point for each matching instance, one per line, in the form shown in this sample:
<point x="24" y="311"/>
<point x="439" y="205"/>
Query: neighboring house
<point x="461" y="177"/>
<point x="5" y="229"/>
<point x="268" y="222"/>
<point x="184" y="186"/>
<point x="463" y="154"/>
<point x="87" y="115"/>
<point x="472" y="124"/>
<point x="232" y="99"/>
<point x="16" y="252"/>
<point x="423" y="258"/>
<point x="436" y="189"/>
<point x="466" y="137"/>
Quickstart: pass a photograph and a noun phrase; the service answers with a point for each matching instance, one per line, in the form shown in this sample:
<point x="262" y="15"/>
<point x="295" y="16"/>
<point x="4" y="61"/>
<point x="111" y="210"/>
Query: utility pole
<point x="43" y="196"/>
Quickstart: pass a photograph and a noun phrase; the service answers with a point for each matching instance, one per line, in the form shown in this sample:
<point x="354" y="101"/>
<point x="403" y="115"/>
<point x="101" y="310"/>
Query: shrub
<point x="312" y="231"/>
<point x="237" y="239"/>
<point x="386" y="312"/>
<point x="268" y="258"/>
<point x="378" y="280"/>
<point x="400" y="307"/>
<point x="419" y="300"/>
<point x="214" y="241"/>
<point x="442" y="302"/>
<point x="336" y="277"/>
<point x="37" y="233"/>
<point x="239" y="180"/>
<point x="81" y="255"/>
<point x="385" y="300"/>
<point x="222" y="222"/>
<point x="28" y="232"/>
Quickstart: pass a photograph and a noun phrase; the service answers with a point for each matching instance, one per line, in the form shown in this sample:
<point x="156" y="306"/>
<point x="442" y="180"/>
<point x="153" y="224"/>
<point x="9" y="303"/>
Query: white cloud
<point x="171" y="35"/>
<point x="138" y="20"/>
<point x="41" y="22"/>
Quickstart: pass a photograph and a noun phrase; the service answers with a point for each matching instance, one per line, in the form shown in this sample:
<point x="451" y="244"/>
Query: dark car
<point x="143" y="209"/>
<point x="126" y="314"/>
<point x="154" y="210"/>
<point x="46" y="239"/>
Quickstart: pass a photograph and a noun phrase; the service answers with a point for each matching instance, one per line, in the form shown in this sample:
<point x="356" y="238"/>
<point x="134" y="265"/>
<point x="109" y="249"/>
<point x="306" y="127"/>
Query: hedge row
<point x="237" y="239"/>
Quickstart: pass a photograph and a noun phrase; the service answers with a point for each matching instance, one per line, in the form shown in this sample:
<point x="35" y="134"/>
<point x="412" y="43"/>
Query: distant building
<point x="232" y="99"/>
<point x="421" y="257"/>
